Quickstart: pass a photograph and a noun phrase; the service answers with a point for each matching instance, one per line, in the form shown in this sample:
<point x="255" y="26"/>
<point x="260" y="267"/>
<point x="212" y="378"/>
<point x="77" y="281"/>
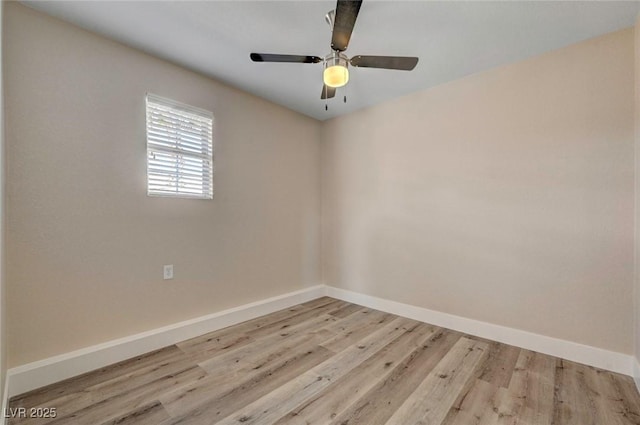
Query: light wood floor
<point x="331" y="362"/>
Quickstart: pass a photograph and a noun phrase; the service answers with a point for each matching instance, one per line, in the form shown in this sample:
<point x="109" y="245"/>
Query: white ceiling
<point x="452" y="39"/>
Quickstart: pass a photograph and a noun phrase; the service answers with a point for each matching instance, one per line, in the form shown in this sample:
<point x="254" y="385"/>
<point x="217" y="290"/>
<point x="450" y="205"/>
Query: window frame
<point x="191" y="114"/>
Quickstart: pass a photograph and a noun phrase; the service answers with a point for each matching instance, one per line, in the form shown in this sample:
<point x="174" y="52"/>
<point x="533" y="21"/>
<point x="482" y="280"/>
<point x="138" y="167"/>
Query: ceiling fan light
<point x="336" y="76"/>
<point x="336" y="71"/>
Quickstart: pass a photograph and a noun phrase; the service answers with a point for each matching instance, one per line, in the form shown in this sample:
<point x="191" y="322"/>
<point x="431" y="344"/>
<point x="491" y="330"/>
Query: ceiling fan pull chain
<point x="326" y="89"/>
<point x="346" y="89"/>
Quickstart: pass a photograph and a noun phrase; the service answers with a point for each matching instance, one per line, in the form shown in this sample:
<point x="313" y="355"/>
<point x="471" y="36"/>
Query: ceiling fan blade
<point x="269" y="57"/>
<point x="345" y="19"/>
<point x="328" y="92"/>
<point x="404" y="63"/>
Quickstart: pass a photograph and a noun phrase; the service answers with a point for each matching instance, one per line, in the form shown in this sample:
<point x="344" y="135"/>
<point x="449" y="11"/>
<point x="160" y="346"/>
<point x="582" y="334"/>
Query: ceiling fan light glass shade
<point x="336" y="71"/>
<point x="336" y="76"/>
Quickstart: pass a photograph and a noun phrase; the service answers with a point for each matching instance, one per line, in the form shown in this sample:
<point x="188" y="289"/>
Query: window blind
<point x="179" y="149"/>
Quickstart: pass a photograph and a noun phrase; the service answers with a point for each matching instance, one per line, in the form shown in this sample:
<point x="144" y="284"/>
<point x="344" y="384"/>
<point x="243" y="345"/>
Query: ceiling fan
<point x="336" y="64"/>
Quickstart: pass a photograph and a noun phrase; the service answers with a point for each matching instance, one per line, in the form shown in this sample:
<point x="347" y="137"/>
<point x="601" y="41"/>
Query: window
<point x="179" y="149"/>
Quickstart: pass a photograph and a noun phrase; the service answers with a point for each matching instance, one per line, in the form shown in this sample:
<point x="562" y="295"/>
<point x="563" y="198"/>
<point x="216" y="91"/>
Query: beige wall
<point x="86" y="246"/>
<point x="3" y="339"/>
<point x="637" y="189"/>
<point x="505" y="197"/>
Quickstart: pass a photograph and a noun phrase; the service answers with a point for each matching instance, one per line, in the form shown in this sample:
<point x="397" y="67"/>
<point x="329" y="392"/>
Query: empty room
<point x="320" y="212"/>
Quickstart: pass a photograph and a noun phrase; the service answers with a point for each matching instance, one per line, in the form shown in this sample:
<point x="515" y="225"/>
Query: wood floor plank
<point x="43" y="396"/>
<point x="254" y="363"/>
<point x="245" y="391"/>
<point x="340" y="394"/>
<point x="533" y="381"/>
<point x="346" y="310"/>
<point x="502" y="409"/>
<point x="379" y="403"/>
<point x="149" y="414"/>
<point x="313" y="329"/>
<point x="499" y="364"/>
<point x="628" y="393"/>
<point x="298" y="320"/>
<point x="494" y="372"/>
<point x="113" y="407"/>
<point x="290" y="363"/>
<point x="203" y="342"/>
<point x="278" y="403"/>
<point x="355" y="327"/>
<point x="529" y="399"/>
<point x="215" y="345"/>
<point x="431" y="401"/>
<point x="210" y="344"/>
<point x="573" y="403"/>
<point x="471" y="404"/>
<point x="131" y="400"/>
<point x="318" y="302"/>
<point x="139" y="377"/>
<point x="583" y="395"/>
<point x="606" y="398"/>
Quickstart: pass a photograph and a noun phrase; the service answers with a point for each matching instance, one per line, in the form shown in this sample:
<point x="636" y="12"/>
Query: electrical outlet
<point x="168" y="271"/>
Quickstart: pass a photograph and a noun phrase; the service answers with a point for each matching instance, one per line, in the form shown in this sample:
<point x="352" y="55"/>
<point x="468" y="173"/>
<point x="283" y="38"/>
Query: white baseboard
<point x="636" y="373"/>
<point x="592" y="356"/>
<point x="47" y="371"/>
